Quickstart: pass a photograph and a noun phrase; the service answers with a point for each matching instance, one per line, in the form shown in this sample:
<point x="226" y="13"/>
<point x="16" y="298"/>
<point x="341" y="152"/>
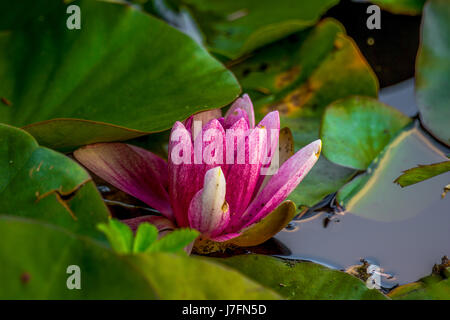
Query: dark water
<point x="403" y="230"/>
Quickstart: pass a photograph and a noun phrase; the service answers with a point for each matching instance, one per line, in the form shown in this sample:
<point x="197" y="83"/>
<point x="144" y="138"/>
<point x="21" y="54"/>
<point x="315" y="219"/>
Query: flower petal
<point x="133" y="170"/>
<point x="234" y="116"/>
<point x="245" y="104"/>
<point x="242" y="178"/>
<point x="203" y="117"/>
<point x="181" y="173"/>
<point x="282" y="183"/>
<point x="208" y="211"/>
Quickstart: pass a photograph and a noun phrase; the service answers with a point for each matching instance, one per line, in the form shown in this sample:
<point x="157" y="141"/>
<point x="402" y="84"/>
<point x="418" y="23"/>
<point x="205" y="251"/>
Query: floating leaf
<point x="301" y="280"/>
<point x="300" y="76"/>
<point x="373" y="195"/>
<point x="38" y="270"/>
<point x="234" y="28"/>
<point x="433" y="70"/>
<point x="43" y="184"/>
<point x="433" y="287"/>
<point x="106" y="81"/>
<point x="356" y="130"/>
<point x="422" y="172"/>
<point x="410" y="7"/>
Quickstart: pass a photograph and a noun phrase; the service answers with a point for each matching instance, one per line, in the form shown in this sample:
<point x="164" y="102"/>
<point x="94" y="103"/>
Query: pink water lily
<point x="219" y="198"/>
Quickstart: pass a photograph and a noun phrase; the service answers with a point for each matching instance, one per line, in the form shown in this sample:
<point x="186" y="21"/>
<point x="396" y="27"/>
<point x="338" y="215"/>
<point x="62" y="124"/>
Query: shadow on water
<point x="403" y="230"/>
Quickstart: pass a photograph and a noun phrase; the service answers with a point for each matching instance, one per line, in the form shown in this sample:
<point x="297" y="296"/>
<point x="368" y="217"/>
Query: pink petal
<point x="181" y="173"/>
<point x="242" y="178"/>
<point x="203" y="117"/>
<point x="208" y="211"/>
<point x="133" y="170"/>
<point x="282" y="183"/>
<point x="233" y="117"/>
<point x="246" y="104"/>
<point x="272" y="124"/>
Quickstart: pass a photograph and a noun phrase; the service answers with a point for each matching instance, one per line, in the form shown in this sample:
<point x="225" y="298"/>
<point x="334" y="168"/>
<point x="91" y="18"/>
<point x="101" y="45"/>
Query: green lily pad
<point x="299" y="76"/>
<point x="433" y="70"/>
<point x="355" y="130"/>
<point x="433" y="287"/>
<point x="38" y="269"/>
<point x="43" y="184"/>
<point x="301" y="280"/>
<point x="234" y="28"/>
<point x="122" y="75"/>
<point x="373" y="195"/>
<point x="422" y="172"/>
<point x="410" y="7"/>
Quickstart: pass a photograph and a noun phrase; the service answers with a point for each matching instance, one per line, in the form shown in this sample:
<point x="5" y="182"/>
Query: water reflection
<point x="411" y="230"/>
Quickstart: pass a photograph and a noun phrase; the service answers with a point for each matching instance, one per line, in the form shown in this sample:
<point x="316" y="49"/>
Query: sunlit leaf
<point x="422" y="172"/>
<point x="119" y="235"/>
<point x="356" y="130"/>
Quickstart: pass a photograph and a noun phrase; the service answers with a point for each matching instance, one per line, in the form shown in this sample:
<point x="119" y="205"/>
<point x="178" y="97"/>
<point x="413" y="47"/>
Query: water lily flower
<point x="203" y="185"/>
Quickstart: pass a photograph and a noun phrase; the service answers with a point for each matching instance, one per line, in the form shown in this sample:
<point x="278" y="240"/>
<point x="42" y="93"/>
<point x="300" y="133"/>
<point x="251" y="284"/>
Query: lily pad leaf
<point x="373" y="194"/>
<point x="43" y="184"/>
<point x="409" y="7"/>
<point x="433" y="70"/>
<point x="234" y="28"/>
<point x="105" y="81"/>
<point x="422" y="172"/>
<point x="433" y="287"/>
<point x="301" y="280"/>
<point x="356" y="130"/>
<point x="38" y="269"/>
<point x="299" y="76"/>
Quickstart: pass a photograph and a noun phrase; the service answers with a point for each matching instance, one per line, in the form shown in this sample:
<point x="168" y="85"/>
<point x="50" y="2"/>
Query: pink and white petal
<point x="131" y="169"/>
<point x="282" y="183"/>
<point x="231" y="118"/>
<point x="242" y="178"/>
<point x="203" y="117"/>
<point x="181" y="172"/>
<point x="208" y="211"/>
<point x="246" y="104"/>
